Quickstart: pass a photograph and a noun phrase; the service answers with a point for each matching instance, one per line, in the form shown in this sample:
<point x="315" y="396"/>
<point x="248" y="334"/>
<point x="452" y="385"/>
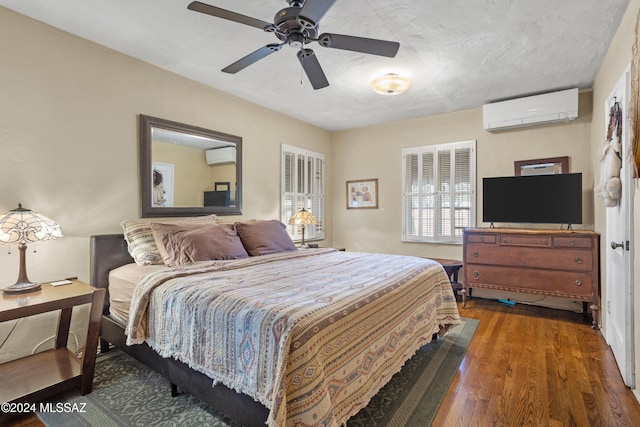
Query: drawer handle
<point x="476" y="275"/>
<point x="476" y="254"/>
<point x="578" y="260"/>
<point x="482" y="239"/>
<point x="578" y="282"/>
<point x="572" y="243"/>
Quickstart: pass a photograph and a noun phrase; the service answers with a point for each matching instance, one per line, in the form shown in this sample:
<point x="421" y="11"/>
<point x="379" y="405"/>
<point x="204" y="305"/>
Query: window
<point x="438" y="192"/>
<point x="302" y="187"/>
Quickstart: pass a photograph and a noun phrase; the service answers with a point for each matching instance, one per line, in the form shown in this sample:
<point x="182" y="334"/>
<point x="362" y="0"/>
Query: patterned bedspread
<point x="313" y="335"/>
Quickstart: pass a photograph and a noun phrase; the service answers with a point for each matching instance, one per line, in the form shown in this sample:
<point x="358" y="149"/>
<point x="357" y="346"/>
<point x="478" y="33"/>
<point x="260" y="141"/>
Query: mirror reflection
<point x="186" y="170"/>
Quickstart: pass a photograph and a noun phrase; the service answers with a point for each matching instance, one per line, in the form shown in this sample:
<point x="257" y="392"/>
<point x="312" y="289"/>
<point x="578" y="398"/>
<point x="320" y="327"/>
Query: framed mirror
<point x="188" y="171"/>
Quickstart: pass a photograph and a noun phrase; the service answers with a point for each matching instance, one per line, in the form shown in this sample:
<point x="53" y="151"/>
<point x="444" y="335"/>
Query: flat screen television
<point x="542" y="199"/>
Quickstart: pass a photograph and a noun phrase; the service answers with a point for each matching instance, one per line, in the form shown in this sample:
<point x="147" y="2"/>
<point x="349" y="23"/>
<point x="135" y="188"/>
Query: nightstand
<point x="45" y="374"/>
<point x="452" y="267"/>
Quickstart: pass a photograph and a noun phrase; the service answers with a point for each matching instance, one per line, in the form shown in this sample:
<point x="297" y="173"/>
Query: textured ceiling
<point x="459" y="53"/>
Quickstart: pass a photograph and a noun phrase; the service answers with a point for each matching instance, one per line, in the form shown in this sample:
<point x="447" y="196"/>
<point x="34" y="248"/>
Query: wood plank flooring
<point x="533" y="366"/>
<point x="527" y="366"/>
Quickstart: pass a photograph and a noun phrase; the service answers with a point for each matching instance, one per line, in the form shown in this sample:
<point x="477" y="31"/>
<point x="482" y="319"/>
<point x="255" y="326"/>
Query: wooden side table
<point x="452" y="268"/>
<point x="42" y="375"/>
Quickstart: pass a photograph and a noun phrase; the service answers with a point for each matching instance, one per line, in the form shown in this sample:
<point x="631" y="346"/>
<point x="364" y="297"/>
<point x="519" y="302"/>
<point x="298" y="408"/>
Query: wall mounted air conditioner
<point x="553" y="107"/>
<point x="220" y="156"/>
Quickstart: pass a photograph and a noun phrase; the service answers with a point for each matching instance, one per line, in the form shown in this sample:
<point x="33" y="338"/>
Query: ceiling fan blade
<point x="359" y="44"/>
<point x="312" y="69"/>
<point x="228" y="15"/>
<point x="314" y="10"/>
<point x="255" y="56"/>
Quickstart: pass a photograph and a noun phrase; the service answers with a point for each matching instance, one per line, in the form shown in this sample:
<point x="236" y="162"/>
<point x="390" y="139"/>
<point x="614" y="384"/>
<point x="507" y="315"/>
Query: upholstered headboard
<point x="108" y="251"/>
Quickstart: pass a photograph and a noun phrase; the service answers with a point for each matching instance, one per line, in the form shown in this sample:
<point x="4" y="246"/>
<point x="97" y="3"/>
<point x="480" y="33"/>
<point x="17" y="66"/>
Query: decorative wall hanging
<point x="162" y="189"/>
<point x="610" y="187"/>
<point x="362" y="194"/>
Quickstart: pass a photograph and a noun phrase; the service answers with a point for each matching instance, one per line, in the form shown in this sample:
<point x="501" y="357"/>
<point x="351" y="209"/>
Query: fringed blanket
<point x="313" y="335"/>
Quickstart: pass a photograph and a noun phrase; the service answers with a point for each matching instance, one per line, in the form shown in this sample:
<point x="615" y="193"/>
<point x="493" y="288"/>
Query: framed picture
<point x="548" y="166"/>
<point x="362" y="194"/>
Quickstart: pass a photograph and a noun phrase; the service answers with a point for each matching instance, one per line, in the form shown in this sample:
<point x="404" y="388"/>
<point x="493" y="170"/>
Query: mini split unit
<point x="221" y="156"/>
<point x="561" y="106"/>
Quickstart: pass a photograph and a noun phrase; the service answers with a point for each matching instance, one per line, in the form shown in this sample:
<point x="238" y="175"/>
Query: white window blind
<point x="302" y="186"/>
<point x="438" y="192"/>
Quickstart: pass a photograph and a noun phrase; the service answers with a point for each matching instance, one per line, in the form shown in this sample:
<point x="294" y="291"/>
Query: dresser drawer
<point x="524" y="240"/>
<point x="481" y="238"/>
<point x="572" y="242"/>
<point x="565" y="259"/>
<point x="550" y="282"/>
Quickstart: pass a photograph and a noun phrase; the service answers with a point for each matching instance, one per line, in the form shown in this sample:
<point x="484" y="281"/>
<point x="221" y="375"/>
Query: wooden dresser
<point x="560" y="263"/>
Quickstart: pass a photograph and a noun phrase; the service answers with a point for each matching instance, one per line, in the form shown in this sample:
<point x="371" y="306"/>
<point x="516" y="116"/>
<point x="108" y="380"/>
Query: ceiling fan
<point x="297" y="26"/>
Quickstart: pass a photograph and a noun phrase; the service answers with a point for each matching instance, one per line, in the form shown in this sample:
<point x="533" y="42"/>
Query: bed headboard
<point x="108" y="251"/>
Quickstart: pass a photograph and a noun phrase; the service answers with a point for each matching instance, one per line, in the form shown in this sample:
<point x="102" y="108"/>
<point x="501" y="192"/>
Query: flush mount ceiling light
<point x="390" y="84"/>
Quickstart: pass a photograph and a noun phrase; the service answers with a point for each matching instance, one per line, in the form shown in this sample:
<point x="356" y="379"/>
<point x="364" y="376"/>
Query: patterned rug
<point x="126" y="393"/>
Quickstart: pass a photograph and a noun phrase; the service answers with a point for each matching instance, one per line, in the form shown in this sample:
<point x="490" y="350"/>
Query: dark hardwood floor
<point x="527" y="366"/>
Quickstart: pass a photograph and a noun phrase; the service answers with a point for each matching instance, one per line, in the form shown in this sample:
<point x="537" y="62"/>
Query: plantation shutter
<point x="438" y="192"/>
<point x="463" y="192"/>
<point x="302" y="187"/>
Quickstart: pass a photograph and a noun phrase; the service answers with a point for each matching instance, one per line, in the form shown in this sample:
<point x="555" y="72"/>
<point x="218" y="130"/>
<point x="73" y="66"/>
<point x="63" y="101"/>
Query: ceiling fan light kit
<point x="390" y="84"/>
<point x="297" y="26"/>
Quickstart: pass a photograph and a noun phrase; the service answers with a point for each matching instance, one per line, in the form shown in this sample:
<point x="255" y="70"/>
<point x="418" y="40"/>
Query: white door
<point x="619" y="291"/>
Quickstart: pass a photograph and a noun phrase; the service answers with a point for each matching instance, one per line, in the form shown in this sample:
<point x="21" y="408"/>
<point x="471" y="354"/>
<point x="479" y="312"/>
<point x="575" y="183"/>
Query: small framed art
<point x="362" y="194"/>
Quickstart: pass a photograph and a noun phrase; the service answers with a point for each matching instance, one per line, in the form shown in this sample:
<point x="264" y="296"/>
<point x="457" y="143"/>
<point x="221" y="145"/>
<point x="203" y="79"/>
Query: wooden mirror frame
<point x="147" y="210"/>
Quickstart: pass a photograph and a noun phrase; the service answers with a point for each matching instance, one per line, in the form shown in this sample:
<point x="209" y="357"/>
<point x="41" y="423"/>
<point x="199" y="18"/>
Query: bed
<point x="292" y="336"/>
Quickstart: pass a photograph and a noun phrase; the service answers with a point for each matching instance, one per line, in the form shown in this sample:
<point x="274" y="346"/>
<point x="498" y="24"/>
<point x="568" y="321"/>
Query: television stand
<point x="559" y="263"/>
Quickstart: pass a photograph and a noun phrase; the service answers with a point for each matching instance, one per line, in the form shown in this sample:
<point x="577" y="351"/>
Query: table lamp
<point x="24" y="226"/>
<point x="302" y="218"/>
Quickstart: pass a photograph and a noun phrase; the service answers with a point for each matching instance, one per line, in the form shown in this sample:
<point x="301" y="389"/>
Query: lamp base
<point x="22" y="288"/>
<point x="23" y="284"/>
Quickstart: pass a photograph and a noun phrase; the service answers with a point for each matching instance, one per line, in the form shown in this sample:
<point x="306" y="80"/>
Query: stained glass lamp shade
<point x="24" y="226"/>
<point x="303" y="218"/>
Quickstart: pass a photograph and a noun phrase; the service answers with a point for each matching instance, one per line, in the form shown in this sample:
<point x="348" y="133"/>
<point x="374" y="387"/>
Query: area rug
<point x="127" y="393"/>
